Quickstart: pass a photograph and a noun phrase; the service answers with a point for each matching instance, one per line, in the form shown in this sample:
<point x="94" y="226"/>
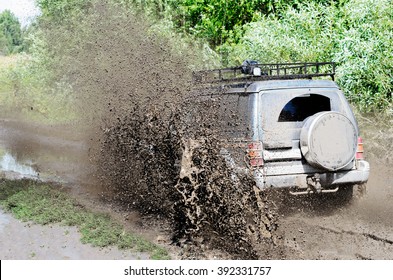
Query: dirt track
<point x="362" y="230"/>
<point x="21" y="241"/>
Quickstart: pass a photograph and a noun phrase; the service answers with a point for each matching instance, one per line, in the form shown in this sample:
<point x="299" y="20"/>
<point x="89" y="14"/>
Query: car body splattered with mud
<point x="288" y="129"/>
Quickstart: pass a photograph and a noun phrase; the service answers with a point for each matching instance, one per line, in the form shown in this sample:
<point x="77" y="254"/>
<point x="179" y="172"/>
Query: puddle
<point x="50" y="154"/>
<point x="12" y="168"/>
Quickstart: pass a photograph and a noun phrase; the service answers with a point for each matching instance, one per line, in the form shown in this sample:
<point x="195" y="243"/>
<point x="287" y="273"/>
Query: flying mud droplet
<point x="163" y="164"/>
<point x="156" y="144"/>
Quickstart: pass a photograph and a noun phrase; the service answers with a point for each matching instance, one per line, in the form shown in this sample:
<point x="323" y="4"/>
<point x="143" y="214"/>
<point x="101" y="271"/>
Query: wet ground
<point x="25" y="241"/>
<point x="46" y="152"/>
<point x="362" y="230"/>
<point x="53" y="154"/>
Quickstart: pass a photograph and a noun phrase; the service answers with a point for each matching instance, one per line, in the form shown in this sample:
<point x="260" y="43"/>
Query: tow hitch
<point x="313" y="186"/>
<point x="314" y="182"/>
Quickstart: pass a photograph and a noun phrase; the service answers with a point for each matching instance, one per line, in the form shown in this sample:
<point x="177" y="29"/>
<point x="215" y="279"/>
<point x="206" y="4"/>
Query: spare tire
<point x="328" y="140"/>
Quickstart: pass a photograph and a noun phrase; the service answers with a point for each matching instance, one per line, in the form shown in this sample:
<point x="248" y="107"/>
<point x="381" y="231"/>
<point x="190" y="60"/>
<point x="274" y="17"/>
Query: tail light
<point x="360" y="151"/>
<point x="255" y="154"/>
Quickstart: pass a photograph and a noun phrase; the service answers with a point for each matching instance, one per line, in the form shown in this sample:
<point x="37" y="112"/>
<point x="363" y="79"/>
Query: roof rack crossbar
<point x="273" y="71"/>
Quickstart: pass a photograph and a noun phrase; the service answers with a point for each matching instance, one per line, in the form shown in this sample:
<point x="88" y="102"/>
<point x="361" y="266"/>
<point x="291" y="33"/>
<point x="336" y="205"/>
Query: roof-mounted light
<point x="257" y="71"/>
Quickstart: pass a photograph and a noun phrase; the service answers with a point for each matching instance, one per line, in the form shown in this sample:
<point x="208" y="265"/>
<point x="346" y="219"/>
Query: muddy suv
<point x="293" y="127"/>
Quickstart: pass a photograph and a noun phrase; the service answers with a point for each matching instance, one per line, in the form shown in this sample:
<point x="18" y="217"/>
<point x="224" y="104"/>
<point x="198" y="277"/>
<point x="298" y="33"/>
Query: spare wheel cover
<point x="328" y="140"/>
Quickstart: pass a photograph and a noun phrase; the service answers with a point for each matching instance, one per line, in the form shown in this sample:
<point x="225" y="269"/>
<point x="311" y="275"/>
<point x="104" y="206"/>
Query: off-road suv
<point x="290" y="129"/>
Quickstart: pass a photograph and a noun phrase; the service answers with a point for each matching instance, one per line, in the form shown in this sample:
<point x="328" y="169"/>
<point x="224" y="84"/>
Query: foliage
<point x="215" y="20"/>
<point x="25" y="91"/>
<point x="57" y="11"/>
<point x="43" y="85"/>
<point x="44" y="204"/>
<point x="356" y="35"/>
<point x="302" y="35"/>
<point x="10" y="33"/>
<point x="364" y="52"/>
<point x="34" y="85"/>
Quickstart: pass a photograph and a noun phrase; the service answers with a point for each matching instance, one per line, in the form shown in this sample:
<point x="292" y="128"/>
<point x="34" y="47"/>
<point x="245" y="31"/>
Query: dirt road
<point x="362" y="230"/>
<point x="56" y="154"/>
<point x="24" y="241"/>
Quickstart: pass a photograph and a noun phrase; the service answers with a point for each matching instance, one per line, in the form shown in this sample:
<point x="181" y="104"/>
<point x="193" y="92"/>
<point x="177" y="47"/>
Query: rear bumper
<point x="354" y="176"/>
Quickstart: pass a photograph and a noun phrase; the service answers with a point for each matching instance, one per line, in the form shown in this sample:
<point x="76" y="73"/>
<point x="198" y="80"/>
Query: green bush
<point x="364" y="52"/>
<point x="356" y="35"/>
<point x="25" y="91"/>
<point x="300" y="35"/>
<point x="10" y="33"/>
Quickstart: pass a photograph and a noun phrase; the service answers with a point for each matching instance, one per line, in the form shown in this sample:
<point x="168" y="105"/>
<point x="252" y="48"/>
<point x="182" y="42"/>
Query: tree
<point x="58" y="11"/>
<point x="10" y="33"/>
<point x="216" y="21"/>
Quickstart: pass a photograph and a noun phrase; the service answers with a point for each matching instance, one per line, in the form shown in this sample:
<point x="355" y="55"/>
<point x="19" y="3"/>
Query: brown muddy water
<point x="47" y="153"/>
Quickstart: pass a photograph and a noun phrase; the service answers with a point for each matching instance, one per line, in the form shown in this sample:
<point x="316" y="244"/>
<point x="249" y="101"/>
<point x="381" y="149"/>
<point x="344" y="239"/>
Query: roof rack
<point x="253" y="71"/>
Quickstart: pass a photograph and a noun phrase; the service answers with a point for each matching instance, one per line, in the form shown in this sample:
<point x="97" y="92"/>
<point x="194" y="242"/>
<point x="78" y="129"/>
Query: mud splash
<point x="215" y="210"/>
<point x="155" y="145"/>
<point x="169" y="166"/>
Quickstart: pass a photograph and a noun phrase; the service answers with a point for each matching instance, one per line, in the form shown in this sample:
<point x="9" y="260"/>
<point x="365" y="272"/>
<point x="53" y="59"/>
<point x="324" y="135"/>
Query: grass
<point x="24" y="93"/>
<point x="7" y="61"/>
<point x="43" y="204"/>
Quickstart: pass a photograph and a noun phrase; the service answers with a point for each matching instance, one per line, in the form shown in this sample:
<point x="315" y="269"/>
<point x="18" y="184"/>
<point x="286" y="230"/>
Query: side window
<point x="235" y="120"/>
<point x="301" y="107"/>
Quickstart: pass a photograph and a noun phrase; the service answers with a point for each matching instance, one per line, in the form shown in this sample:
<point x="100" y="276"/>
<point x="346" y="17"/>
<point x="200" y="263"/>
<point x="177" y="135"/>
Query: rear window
<point x="303" y="106"/>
